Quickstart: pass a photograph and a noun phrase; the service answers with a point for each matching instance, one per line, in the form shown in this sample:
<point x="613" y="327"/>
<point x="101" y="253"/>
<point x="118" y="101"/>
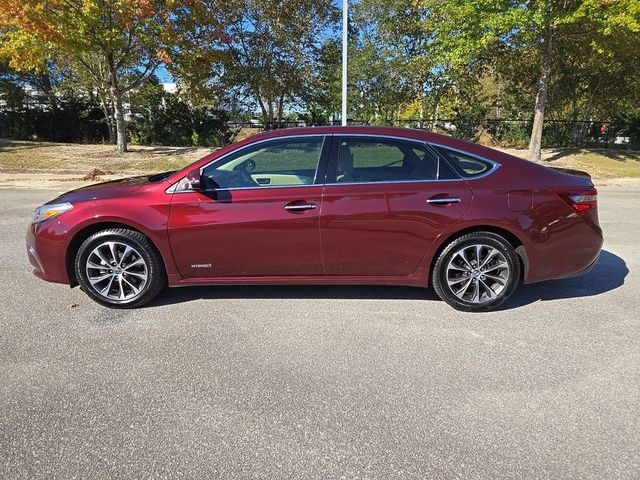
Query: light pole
<point x="345" y="38"/>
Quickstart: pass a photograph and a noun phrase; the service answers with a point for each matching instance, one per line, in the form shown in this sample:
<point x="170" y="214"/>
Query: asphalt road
<point x="322" y="382"/>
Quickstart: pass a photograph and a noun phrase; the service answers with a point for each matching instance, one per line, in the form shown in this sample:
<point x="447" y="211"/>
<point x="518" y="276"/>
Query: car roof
<point x="344" y="130"/>
<point x="408" y="133"/>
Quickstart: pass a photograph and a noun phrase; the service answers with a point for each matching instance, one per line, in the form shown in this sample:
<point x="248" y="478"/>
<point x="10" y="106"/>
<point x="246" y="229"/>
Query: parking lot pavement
<point x="322" y="382"/>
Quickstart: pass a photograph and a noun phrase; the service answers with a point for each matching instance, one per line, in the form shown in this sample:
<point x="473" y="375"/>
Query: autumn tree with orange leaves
<point x="117" y="44"/>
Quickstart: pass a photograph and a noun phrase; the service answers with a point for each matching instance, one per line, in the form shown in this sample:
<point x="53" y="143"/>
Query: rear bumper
<point x="46" y="244"/>
<point x="572" y="251"/>
<point x="588" y="268"/>
<point x="584" y="271"/>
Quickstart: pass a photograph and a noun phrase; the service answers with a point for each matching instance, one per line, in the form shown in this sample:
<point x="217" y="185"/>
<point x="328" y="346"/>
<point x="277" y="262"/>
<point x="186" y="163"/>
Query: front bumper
<point x="46" y="244"/>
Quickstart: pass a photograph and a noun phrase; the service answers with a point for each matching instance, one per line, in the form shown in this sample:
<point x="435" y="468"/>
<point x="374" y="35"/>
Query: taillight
<point x="580" y="200"/>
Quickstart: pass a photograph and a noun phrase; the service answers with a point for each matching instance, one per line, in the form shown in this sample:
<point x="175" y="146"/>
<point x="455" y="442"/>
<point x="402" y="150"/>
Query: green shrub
<point x="162" y="118"/>
<point x="75" y="121"/>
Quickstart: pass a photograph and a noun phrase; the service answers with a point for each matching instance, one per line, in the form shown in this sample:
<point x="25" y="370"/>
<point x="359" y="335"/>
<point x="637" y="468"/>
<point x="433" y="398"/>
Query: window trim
<point x="329" y="158"/>
<point x="494" y="165"/>
<point x="320" y="172"/>
<point x="331" y="170"/>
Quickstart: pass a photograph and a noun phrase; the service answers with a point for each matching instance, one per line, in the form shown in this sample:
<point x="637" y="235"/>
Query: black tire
<point x="143" y="253"/>
<point x="495" y="283"/>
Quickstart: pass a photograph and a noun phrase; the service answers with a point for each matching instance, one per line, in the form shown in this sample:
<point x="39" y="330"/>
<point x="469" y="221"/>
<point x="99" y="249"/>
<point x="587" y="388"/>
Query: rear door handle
<point x="436" y="200"/>
<point x="299" y="207"/>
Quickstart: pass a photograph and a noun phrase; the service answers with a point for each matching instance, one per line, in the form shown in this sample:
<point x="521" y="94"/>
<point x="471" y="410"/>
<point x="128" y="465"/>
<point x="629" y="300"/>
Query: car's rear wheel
<point x="119" y="268"/>
<point x="478" y="271"/>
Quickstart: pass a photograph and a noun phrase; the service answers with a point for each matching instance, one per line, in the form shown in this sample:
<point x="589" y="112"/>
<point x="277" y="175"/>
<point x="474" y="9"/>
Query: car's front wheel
<point x="477" y="272"/>
<point x="119" y="268"/>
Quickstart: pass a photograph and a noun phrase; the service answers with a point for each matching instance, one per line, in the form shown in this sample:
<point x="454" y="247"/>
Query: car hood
<point x="114" y="188"/>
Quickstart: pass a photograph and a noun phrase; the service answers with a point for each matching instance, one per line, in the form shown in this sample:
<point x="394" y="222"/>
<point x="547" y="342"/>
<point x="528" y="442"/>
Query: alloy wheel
<point x="117" y="271"/>
<point x="477" y="273"/>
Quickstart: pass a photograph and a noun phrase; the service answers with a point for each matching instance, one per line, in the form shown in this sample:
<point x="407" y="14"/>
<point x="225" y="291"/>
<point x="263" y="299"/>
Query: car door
<point x="257" y="213"/>
<point x="385" y="201"/>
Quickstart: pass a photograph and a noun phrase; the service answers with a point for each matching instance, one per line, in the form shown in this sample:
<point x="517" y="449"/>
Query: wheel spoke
<point x="497" y="266"/>
<point x="461" y="268"/>
<point x="498" y="279"/>
<point x="140" y="261"/>
<point x="95" y="266"/>
<point x="488" y="289"/>
<point x="101" y="256"/>
<point x="461" y="255"/>
<point x="127" y="251"/>
<point x="99" y="279"/>
<point x="456" y="281"/>
<point x="476" y="292"/>
<point x="478" y="250"/>
<point x="492" y="253"/>
<point x="105" y="291"/>
<point x="122" y="294"/>
<point x="143" y="276"/>
<point x="112" y="250"/>
<point x="460" y="293"/>
<point x="135" y="289"/>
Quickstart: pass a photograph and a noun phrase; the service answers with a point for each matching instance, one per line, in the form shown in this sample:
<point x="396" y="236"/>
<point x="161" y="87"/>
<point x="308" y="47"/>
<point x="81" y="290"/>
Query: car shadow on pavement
<point x="607" y="274"/>
<point x="288" y="292"/>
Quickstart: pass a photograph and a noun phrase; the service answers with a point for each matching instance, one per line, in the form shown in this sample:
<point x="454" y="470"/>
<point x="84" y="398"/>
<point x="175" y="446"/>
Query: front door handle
<point x="438" y="200"/>
<point x="299" y="207"/>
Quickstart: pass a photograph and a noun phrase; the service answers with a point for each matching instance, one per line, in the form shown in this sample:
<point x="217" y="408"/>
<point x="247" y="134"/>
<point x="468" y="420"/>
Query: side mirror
<point x="193" y="177"/>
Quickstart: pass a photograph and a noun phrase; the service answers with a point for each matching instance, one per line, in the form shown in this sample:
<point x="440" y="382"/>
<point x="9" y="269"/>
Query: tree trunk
<point x="535" y="143"/>
<point x="280" y="110"/>
<point x="270" y="115"/>
<point x="47" y="88"/>
<point x="584" y="127"/>
<point x="433" y="117"/>
<point x="421" y="108"/>
<point x="121" y="127"/>
<point x="108" y="115"/>
<point x="263" y="109"/>
<point x="118" y="110"/>
<point x="112" y="121"/>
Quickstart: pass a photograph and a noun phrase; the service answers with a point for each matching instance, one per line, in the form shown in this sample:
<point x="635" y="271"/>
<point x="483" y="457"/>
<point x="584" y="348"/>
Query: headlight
<point x="50" y="211"/>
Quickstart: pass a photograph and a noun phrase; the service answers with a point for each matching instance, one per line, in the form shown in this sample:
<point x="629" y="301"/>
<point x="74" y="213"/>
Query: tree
<point x="118" y="44"/>
<point x="258" y="51"/>
<point x="475" y="33"/>
<point x="392" y="63"/>
<point x="323" y="97"/>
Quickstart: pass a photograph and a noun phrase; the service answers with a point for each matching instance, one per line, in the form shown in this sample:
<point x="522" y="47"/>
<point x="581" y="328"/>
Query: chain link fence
<point x="501" y="132"/>
<point x="78" y="126"/>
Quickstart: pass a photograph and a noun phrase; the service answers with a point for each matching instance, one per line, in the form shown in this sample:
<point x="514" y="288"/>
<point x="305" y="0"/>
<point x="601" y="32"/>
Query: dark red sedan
<point x="329" y="205"/>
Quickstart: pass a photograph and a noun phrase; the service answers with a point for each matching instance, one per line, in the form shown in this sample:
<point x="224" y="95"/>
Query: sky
<point x="163" y="74"/>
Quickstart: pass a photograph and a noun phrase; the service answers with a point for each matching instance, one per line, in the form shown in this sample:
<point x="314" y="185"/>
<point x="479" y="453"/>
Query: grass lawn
<point x="62" y="158"/>
<point x="80" y="160"/>
<point x="600" y="163"/>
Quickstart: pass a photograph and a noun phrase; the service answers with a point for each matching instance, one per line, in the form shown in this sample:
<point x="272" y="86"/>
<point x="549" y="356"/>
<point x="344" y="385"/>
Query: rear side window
<point x="467" y="166"/>
<point x="367" y="160"/>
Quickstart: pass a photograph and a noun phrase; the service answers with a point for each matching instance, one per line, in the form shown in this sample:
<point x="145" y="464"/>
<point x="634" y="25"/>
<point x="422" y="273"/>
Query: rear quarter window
<point x="467" y="166"/>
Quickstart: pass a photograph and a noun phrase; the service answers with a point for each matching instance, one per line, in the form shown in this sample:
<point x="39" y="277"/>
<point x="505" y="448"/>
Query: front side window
<point x="277" y="163"/>
<point x="364" y="160"/>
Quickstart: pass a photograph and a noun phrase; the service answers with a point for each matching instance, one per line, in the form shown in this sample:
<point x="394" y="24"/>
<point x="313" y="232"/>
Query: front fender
<point x="150" y="220"/>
